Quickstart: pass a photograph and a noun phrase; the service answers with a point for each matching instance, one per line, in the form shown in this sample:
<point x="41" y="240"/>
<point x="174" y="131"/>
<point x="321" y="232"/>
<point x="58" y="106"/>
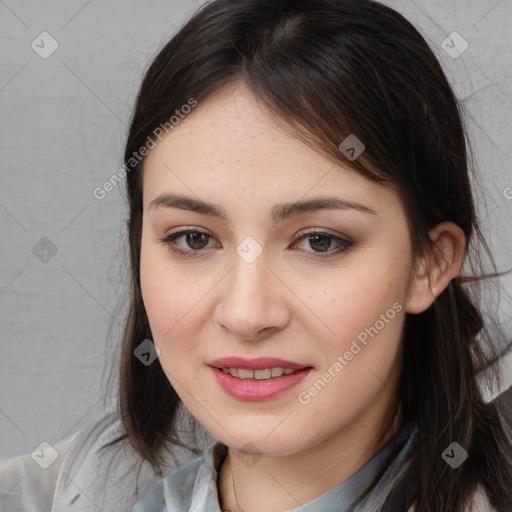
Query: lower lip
<point x="258" y="389"/>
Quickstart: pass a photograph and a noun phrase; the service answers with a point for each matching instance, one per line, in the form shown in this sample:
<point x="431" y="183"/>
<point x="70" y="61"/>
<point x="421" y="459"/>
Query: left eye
<point x="196" y="240"/>
<point x="322" y="242"/>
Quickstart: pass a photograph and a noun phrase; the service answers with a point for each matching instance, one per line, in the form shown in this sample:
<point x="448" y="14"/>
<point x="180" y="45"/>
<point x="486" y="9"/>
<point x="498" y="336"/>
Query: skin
<point x="231" y="152"/>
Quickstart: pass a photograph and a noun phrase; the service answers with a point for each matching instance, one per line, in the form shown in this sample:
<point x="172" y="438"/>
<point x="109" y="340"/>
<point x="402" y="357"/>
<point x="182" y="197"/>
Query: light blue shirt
<point x="94" y="471"/>
<point x="193" y="488"/>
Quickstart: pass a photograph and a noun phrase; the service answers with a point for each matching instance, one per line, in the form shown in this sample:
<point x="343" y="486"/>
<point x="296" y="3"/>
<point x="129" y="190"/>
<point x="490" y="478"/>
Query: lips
<point x="260" y="363"/>
<point x="249" y="379"/>
<point x="256" y="389"/>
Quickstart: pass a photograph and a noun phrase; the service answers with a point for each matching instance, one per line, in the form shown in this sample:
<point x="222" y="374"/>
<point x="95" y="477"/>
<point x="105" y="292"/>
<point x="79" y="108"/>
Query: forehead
<point x="231" y="143"/>
<point x="232" y="127"/>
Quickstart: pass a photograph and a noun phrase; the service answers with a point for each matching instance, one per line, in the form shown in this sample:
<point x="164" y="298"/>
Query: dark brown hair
<point x="331" y="68"/>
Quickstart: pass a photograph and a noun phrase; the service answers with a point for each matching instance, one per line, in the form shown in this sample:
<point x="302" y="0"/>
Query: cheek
<point x="360" y="360"/>
<point x="169" y="305"/>
<point x="358" y="297"/>
<point x="168" y="298"/>
<point x="363" y="306"/>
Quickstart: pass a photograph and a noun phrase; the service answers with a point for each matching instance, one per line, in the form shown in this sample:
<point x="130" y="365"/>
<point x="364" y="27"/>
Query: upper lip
<point x="259" y="363"/>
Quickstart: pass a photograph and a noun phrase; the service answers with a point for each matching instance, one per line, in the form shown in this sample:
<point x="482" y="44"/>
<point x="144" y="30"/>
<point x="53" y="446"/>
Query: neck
<point x="284" y="483"/>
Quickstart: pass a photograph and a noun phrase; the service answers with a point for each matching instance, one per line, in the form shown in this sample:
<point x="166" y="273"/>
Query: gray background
<point x="64" y="120"/>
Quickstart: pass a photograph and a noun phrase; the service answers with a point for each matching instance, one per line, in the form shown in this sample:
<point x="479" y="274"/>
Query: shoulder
<point x="96" y="470"/>
<point x="479" y="502"/>
<point x="100" y="469"/>
<point x="102" y="472"/>
<point x="27" y="482"/>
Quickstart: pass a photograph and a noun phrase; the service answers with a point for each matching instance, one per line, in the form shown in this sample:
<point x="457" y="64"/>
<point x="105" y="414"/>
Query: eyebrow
<point x="279" y="211"/>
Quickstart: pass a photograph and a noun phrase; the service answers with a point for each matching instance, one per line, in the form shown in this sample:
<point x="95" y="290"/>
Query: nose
<point x="253" y="301"/>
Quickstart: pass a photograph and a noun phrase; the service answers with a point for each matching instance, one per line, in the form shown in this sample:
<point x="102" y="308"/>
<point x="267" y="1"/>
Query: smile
<point x="249" y="386"/>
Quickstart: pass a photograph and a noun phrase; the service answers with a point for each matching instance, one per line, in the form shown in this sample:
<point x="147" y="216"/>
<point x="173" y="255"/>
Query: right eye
<point x="195" y="240"/>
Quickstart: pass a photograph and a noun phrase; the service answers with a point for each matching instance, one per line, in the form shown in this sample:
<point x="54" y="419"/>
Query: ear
<point x="435" y="270"/>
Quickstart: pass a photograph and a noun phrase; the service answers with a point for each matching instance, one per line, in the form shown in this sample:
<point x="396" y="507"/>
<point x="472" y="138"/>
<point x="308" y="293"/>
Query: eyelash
<point x="345" y="244"/>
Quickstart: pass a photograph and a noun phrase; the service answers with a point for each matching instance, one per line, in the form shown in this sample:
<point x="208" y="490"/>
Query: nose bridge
<point x="251" y="298"/>
<point x="250" y="269"/>
<point x="248" y="283"/>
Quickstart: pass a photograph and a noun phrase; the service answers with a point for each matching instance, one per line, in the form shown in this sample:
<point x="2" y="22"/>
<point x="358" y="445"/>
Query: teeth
<point x="267" y="373"/>
<point x="245" y="374"/>
<point x="262" y="374"/>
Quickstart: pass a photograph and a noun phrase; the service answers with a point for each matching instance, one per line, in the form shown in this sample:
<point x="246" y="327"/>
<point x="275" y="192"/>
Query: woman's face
<point x="260" y="283"/>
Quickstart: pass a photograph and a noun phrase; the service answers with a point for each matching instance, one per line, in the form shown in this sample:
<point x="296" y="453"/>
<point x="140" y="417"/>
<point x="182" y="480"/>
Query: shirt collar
<point x="193" y="488"/>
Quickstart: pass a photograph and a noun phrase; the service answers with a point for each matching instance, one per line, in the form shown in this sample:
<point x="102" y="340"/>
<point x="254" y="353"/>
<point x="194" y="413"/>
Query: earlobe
<point x="436" y="269"/>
